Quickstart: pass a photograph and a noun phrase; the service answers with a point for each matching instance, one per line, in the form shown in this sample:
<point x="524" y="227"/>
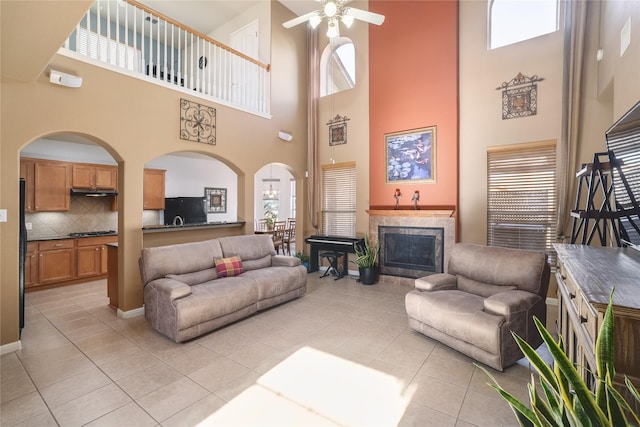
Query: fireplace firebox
<point x="411" y="251"/>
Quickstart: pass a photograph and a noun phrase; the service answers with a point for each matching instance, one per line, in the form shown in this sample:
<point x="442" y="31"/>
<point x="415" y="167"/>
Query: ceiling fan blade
<point x="299" y="20"/>
<point x="364" y="15"/>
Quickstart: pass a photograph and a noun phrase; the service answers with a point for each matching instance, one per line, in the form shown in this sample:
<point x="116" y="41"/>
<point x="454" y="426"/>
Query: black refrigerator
<point x="22" y="250"/>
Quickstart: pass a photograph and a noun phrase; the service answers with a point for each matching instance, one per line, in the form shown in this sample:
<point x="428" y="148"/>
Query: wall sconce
<point x="64" y="79"/>
<point x="285" y="136"/>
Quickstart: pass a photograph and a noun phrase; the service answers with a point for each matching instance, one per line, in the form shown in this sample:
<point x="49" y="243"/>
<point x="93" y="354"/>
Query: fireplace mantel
<point x="409" y="211"/>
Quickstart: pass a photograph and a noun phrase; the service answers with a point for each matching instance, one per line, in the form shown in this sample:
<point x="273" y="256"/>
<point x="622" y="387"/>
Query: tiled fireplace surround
<point x="441" y="217"/>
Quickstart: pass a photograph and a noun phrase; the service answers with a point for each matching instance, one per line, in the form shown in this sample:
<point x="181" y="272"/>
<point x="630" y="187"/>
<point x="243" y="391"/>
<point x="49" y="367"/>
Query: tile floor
<point x="341" y="355"/>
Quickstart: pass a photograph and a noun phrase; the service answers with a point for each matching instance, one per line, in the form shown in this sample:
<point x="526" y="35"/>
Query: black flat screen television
<point x="185" y="210"/>
<point x="623" y="139"/>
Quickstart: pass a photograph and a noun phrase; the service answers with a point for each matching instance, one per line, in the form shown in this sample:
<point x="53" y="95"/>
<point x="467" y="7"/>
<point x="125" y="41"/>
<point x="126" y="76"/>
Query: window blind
<point x="521" y="197"/>
<point x="339" y="199"/>
<point x="625" y="146"/>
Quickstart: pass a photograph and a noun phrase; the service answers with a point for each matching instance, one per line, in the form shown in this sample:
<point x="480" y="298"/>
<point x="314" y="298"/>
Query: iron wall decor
<point x="197" y="122"/>
<point x="519" y="96"/>
<point x="216" y="200"/>
<point x="338" y="130"/>
<point x="411" y="155"/>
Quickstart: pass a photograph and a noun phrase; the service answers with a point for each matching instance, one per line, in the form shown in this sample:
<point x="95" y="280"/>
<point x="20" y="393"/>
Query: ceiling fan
<point x="335" y="11"/>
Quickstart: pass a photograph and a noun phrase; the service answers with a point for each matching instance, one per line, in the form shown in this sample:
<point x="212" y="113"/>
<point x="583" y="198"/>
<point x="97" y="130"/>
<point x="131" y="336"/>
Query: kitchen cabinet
<point x="56" y="261"/>
<point x="52" y="182"/>
<point x="94" y="177"/>
<point x="27" y="172"/>
<point x="91" y="256"/>
<point x="31" y="265"/>
<point x="153" y="191"/>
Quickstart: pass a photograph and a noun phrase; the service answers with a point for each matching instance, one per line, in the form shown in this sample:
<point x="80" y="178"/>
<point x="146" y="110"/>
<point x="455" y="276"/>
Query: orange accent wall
<point x="413" y="70"/>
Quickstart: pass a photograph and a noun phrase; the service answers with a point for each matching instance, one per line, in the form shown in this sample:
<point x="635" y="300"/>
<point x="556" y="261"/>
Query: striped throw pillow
<point x="228" y="267"/>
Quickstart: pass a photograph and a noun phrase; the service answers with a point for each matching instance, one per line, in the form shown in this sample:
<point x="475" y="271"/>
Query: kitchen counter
<point x="49" y="238"/>
<point x="199" y="226"/>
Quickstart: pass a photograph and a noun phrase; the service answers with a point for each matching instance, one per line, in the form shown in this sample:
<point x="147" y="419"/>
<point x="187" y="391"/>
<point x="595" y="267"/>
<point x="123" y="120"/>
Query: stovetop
<point x="92" y="233"/>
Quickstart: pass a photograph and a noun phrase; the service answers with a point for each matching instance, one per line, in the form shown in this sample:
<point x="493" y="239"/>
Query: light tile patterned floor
<point x="341" y="355"/>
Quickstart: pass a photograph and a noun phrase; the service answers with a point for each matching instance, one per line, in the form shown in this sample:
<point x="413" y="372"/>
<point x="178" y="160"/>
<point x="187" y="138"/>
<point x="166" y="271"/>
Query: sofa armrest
<point x="510" y="303"/>
<point x="284" y="261"/>
<point x="169" y="288"/>
<point x="436" y="282"/>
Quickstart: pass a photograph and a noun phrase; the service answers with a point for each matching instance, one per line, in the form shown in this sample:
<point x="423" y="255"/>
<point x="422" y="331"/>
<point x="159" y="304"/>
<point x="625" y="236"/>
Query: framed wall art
<point x="338" y="130"/>
<point x="216" y="200"/>
<point x="519" y="96"/>
<point x="411" y="155"/>
<point x="197" y="122"/>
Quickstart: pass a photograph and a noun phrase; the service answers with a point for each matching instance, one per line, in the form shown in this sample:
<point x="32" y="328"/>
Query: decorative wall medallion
<point x="519" y="96"/>
<point x="338" y="130"/>
<point x="197" y="122"/>
<point x="216" y="200"/>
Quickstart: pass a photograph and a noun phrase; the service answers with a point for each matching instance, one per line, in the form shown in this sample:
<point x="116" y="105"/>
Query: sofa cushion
<point x="229" y="267"/>
<point x="215" y="299"/>
<point x="255" y="264"/>
<point x="274" y="281"/>
<point x="247" y="247"/>
<point x="481" y="289"/>
<point x="196" y="277"/>
<point x="458" y="314"/>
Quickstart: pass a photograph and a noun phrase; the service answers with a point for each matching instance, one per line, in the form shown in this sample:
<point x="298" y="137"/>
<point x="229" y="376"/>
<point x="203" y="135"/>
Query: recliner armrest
<point x="284" y="261"/>
<point x="510" y="303"/>
<point x="436" y="282"/>
<point x="169" y="288"/>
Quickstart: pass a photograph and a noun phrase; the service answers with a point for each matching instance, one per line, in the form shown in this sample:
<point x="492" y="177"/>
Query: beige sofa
<point x="184" y="295"/>
<point x="486" y="293"/>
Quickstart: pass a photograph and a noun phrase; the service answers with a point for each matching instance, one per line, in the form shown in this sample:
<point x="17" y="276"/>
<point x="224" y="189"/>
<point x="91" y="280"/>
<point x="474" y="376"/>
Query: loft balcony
<point x="131" y="38"/>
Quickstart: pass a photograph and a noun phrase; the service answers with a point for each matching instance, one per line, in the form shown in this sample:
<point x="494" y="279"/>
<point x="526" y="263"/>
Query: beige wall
<point x="137" y="121"/>
<point x="481" y="124"/>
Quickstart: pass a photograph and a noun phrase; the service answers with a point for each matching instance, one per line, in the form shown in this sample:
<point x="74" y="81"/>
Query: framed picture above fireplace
<point x="410" y="155"/>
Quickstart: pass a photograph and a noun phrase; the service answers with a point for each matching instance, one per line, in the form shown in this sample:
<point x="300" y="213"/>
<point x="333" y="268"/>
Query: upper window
<point x="338" y="67"/>
<point x="512" y="21"/>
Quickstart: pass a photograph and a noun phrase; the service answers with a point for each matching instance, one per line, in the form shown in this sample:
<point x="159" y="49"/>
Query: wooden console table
<point x="585" y="276"/>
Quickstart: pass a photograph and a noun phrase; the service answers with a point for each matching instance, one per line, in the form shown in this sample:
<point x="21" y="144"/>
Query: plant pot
<point x="306" y="265"/>
<point x="368" y="276"/>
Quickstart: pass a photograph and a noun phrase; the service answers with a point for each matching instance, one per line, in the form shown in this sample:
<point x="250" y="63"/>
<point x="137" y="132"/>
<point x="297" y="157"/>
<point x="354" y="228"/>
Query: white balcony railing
<point x="138" y="40"/>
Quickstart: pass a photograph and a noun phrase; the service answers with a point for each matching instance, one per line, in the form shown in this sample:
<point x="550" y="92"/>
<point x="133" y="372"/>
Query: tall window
<point x="521" y="196"/>
<point x="271" y="198"/>
<point x="339" y="199"/>
<point x="292" y="207"/>
<point x="512" y="21"/>
<point x="338" y="67"/>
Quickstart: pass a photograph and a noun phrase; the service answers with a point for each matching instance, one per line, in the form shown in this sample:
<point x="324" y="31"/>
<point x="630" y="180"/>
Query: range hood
<point x="92" y="193"/>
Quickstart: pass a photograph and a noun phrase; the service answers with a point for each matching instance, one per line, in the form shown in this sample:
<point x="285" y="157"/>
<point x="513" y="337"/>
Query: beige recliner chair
<point x="486" y="293"/>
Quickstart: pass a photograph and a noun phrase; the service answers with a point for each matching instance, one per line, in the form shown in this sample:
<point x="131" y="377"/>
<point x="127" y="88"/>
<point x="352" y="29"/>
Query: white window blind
<point x="521" y="196"/>
<point x="339" y="199"/>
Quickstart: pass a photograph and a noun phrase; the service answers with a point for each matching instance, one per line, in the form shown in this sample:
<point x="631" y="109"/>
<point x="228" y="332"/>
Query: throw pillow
<point x="228" y="267"/>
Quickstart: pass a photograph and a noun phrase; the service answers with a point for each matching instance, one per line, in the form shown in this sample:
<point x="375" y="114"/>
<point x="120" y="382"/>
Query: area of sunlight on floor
<point x="314" y="388"/>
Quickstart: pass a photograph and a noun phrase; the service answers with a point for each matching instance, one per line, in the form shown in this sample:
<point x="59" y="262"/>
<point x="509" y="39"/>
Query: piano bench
<point x="332" y="257"/>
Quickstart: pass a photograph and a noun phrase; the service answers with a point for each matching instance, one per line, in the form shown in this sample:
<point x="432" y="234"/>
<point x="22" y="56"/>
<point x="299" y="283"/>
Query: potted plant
<point x="304" y="259"/>
<point x="567" y="399"/>
<point x="270" y="217"/>
<point x="367" y="260"/>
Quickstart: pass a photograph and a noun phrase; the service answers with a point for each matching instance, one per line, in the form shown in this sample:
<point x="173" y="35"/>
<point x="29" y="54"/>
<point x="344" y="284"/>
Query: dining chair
<point x="279" y="228"/>
<point x="290" y="234"/>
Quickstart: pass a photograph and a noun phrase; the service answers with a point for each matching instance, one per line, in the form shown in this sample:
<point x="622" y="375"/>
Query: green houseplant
<point x="304" y="258"/>
<point x="367" y="260"/>
<point x="568" y="401"/>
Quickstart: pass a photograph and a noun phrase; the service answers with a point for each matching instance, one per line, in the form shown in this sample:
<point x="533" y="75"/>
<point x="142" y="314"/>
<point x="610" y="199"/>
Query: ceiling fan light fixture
<point x="333" y="30"/>
<point x="315" y="20"/>
<point x="347" y="20"/>
<point x="330" y="9"/>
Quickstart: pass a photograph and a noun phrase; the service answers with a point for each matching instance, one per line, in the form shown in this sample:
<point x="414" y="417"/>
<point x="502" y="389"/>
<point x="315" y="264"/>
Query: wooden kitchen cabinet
<point x="52" y="182"/>
<point x="31" y="265"/>
<point x="27" y="172"/>
<point x="91" y="256"/>
<point x="56" y="261"/>
<point x="94" y="177"/>
<point x="153" y="191"/>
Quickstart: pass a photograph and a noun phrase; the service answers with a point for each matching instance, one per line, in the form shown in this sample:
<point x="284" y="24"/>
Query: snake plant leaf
<point x="616" y="415"/>
<point x="523" y="413"/>
<point x="554" y="401"/>
<point x="604" y="354"/>
<point x="543" y="413"/>
<point x="534" y="359"/>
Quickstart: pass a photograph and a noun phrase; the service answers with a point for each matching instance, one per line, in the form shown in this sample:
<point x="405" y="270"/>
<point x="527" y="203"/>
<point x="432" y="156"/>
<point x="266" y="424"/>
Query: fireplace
<point x="411" y="251"/>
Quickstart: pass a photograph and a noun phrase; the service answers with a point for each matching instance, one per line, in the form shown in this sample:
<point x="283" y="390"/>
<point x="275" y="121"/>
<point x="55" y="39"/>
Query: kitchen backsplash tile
<point x="86" y="214"/>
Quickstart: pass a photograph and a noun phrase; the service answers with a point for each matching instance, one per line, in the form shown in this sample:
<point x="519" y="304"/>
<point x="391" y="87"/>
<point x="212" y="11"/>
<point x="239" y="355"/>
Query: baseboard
<point x="552" y="301"/>
<point x="131" y="313"/>
<point x="11" y="347"/>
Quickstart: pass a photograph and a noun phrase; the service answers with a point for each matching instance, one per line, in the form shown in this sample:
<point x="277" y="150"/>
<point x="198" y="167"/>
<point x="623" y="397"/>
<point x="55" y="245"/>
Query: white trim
<point x="552" y="301"/>
<point x="11" y="347"/>
<point x="131" y="313"/>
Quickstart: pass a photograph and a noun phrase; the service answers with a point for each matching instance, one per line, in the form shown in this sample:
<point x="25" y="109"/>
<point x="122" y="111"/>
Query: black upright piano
<point x="344" y="245"/>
